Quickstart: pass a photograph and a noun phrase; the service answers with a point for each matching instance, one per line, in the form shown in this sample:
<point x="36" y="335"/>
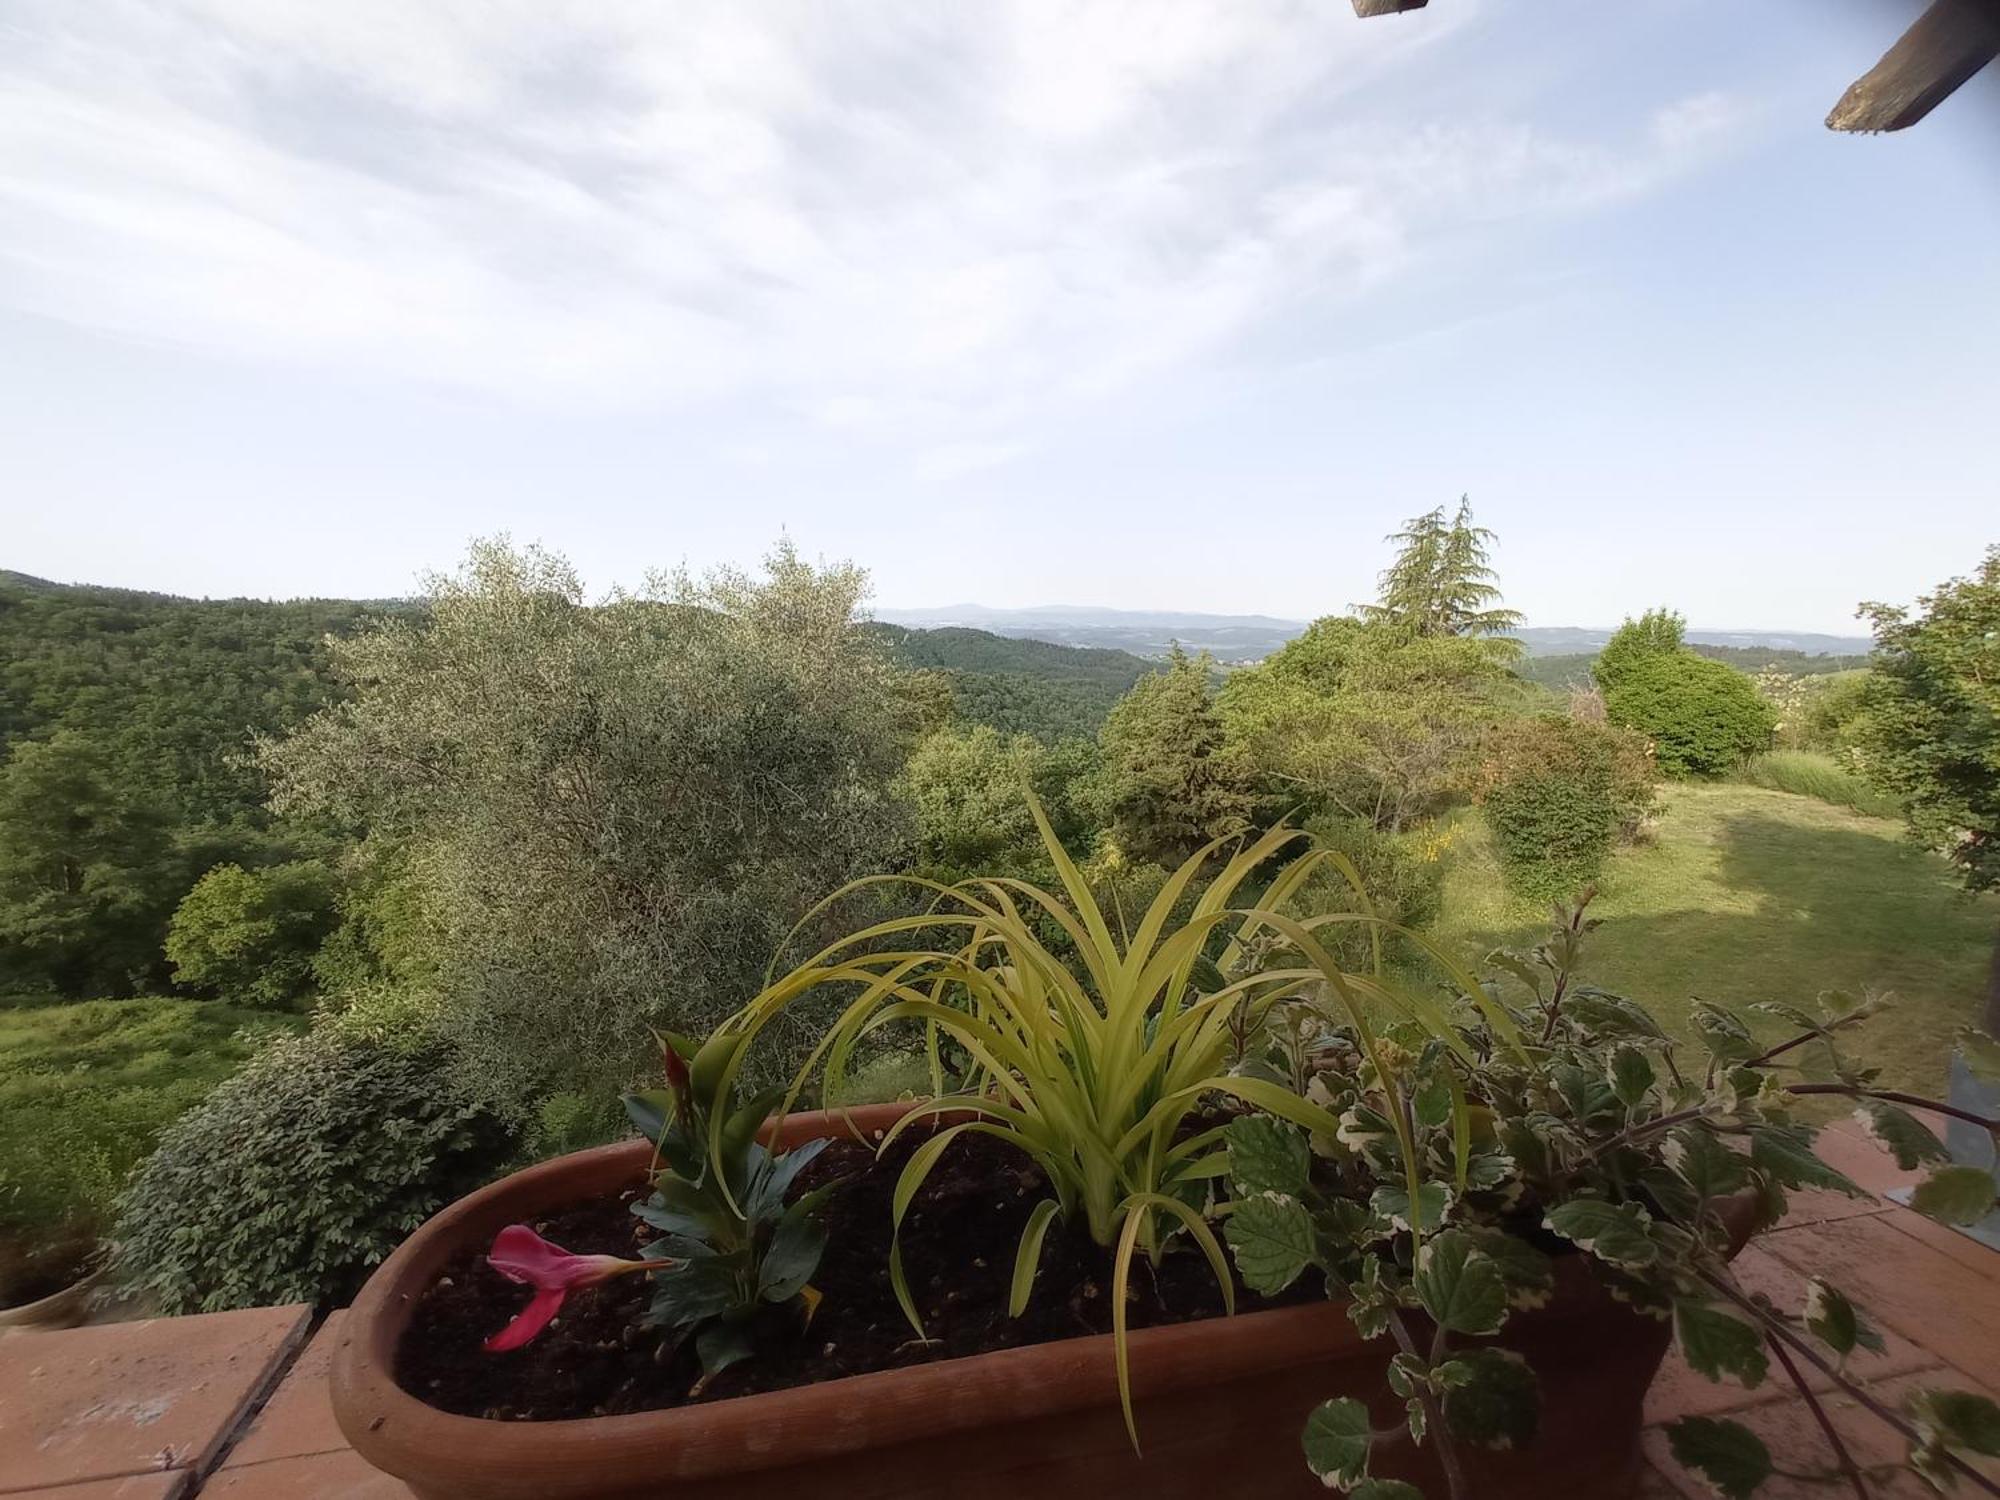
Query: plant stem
<point x="1896" y="1096"/>
<point x="1774" y="1329"/>
<point x="1454" y="1479"/>
<point x="1840" y="1453"/>
<point x="1633" y="1132"/>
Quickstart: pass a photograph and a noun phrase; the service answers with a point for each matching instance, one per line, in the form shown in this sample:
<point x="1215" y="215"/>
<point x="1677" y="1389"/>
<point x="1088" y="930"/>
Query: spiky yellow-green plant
<point x="1092" y="1059"/>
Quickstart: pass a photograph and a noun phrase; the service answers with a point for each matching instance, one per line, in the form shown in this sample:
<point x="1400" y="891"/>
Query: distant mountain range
<point x="1247" y="638"/>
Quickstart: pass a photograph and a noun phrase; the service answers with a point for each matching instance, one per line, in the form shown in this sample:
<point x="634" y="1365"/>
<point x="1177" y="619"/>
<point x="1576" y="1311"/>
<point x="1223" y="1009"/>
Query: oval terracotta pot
<point x="63" y="1309"/>
<point x="1220" y="1403"/>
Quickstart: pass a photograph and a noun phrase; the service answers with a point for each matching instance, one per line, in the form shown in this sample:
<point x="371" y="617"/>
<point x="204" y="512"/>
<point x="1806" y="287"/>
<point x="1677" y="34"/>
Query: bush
<point x="1559" y="793"/>
<point x="250" y="935"/>
<point x="1822" y="777"/>
<point x="1703" y="718"/>
<point x="302" y="1172"/>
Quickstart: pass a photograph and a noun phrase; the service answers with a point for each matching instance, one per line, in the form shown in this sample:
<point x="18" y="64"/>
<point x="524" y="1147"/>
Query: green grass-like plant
<point x="1809" y="774"/>
<point x="1094" y="1056"/>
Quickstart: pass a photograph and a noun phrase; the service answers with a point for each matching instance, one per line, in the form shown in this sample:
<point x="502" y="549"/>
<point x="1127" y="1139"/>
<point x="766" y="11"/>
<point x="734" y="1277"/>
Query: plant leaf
<point x="1631" y="1075"/>
<point x="1266" y="1155"/>
<point x="1699" y="1157"/>
<point x="1609" y="1015"/>
<point x="1612" y="1232"/>
<point x="1336" y="1442"/>
<point x="1393" y="1204"/>
<point x="1459" y="1286"/>
<point x="1272" y="1237"/>
<point x="1785" y="1151"/>
<point x="1530" y="1276"/>
<point x="722" y="1344"/>
<point x="792" y="1256"/>
<point x="1727" y="1455"/>
<point x="1955" y="1195"/>
<point x="1963" y="1419"/>
<point x="1716" y="1343"/>
<point x="1384" y="1489"/>
<point x="1723" y="1033"/>
<point x="1491" y="1398"/>
<point x="1835" y="1321"/>
<point x="1028" y="1256"/>
<point x="1901" y="1134"/>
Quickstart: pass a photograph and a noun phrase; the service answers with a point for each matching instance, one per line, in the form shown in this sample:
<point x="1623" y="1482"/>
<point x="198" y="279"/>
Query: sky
<point x="1165" y="304"/>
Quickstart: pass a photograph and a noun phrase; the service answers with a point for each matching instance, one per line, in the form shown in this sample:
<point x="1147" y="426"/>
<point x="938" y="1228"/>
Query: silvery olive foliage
<point x="1474" y="1139"/>
<point x="609" y="814"/>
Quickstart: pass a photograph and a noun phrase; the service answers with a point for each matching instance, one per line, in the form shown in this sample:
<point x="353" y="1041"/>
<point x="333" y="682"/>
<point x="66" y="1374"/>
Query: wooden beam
<point x="1947" y="44"/>
<point x="1367" y="8"/>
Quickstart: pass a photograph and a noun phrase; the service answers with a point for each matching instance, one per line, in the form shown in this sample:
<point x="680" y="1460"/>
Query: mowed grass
<point x="1749" y="894"/>
<point x="87" y="1086"/>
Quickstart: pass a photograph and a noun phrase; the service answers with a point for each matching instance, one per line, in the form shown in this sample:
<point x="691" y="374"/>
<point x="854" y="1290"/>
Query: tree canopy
<point x="1442" y="581"/>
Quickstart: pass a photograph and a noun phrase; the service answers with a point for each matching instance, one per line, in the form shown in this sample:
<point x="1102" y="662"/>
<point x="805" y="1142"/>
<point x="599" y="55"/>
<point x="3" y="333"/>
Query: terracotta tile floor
<point x="157" y="1410"/>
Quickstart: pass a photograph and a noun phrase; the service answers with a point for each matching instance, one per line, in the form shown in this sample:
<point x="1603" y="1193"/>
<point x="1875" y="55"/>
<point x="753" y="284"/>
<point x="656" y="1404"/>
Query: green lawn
<point x="86" y="1086"/>
<point x="1747" y="894"/>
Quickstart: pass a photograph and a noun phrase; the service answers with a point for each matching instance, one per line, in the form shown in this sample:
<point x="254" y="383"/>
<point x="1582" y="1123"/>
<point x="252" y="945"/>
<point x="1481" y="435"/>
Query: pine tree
<point x="1441" y="582"/>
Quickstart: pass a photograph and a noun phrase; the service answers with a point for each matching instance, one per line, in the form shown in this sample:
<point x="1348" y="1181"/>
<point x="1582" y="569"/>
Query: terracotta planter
<point x="63" y="1309"/>
<point x="1220" y="1403"/>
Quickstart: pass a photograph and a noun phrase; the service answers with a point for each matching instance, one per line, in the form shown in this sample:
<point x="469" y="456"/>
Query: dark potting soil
<point x="959" y="1237"/>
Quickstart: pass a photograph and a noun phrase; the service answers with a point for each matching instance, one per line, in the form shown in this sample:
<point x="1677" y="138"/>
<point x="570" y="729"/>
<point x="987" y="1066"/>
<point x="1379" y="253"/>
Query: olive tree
<point x="612" y="813"/>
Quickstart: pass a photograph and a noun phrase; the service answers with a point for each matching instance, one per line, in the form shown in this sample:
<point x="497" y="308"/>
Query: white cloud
<point x="903" y="221"/>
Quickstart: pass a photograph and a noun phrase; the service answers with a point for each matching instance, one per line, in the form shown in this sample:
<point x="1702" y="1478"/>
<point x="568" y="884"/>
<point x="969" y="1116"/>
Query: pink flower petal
<point x="531" y="1320"/>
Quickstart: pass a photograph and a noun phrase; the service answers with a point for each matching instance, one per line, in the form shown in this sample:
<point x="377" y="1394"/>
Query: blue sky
<point x="1155" y="304"/>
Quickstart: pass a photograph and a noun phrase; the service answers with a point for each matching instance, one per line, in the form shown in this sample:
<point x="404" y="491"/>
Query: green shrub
<point x="300" y="1173"/>
<point x="1559" y="792"/>
<point x="1703" y="718"/>
<point x="1821" y="776"/>
<point x="1403" y="874"/>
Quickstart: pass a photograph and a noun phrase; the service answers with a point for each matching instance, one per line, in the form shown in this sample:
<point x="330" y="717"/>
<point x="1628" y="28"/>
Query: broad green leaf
<point x="1835" y="1322"/>
<point x="1723" y="1033"/>
<point x="1704" y="1162"/>
<point x="1385" y="1489"/>
<point x="1586" y="1092"/>
<point x="1785" y="1151"/>
<point x="1716" y="1343"/>
<point x="700" y="1290"/>
<point x="1901" y="1134"/>
<point x="1963" y="1419"/>
<point x="792" y="1256"/>
<point x="1612" y="1232"/>
<point x="1955" y="1195"/>
<point x="1393" y="1205"/>
<point x="722" y="1344"/>
<point x="1266" y="1156"/>
<point x="1631" y="1075"/>
<point x="1674" y="1198"/>
<point x="1530" y="1276"/>
<point x="1727" y="1455"/>
<point x="1491" y="1399"/>
<point x="1336" y="1442"/>
<point x="1272" y="1237"/>
<point x="1459" y="1286"/>
<point x="1608" y="1015"/>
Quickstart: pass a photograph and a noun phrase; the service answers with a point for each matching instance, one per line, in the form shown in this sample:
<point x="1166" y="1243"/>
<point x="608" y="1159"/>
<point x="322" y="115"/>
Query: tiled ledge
<point x="156" y="1410"/>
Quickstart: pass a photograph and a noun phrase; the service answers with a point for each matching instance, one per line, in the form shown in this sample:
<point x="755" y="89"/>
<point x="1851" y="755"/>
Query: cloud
<point x="933" y="225"/>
